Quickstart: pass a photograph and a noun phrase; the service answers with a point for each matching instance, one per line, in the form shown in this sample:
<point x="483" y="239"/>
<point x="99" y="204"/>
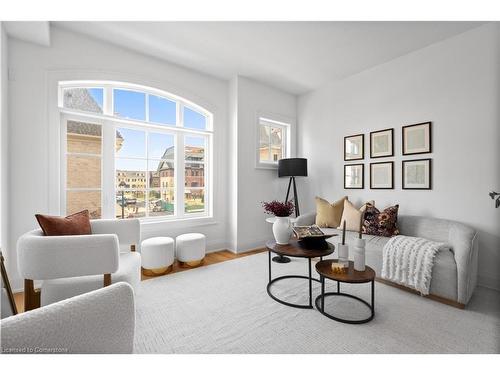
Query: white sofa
<point x="72" y="265"/>
<point x="454" y="274"/>
<point x="102" y="321"/>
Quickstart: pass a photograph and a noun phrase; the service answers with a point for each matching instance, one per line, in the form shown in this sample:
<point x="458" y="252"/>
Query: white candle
<point x="359" y="254"/>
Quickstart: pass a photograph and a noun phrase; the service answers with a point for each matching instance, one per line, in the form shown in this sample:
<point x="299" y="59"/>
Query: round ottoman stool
<point x="157" y="256"/>
<point x="190" y="249"/>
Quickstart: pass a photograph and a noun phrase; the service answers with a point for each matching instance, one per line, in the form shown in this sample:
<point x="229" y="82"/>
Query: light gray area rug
<point x="224" y="308"/>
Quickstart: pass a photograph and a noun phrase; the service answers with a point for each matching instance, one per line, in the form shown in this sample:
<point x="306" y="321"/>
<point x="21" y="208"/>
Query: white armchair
<point x="102" y="321"/>
<point x="73" y="265"/>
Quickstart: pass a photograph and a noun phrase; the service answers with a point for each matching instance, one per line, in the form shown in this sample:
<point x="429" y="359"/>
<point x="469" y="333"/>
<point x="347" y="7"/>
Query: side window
<point x="272" y="142"/>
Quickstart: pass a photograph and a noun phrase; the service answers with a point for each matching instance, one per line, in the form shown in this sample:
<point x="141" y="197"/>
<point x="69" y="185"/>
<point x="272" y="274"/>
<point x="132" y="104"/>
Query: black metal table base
<point x="320" y="303"/>
<point x="310" y="278"/>
<point x="281" y="259"/>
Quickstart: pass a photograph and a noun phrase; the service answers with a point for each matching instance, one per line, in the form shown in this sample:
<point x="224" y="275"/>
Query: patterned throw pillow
<point x="381" y="223"/>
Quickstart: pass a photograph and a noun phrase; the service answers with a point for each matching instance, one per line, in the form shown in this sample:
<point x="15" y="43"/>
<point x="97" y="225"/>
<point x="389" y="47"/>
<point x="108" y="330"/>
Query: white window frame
<point x="110" y="123"/>
<point x="286" y="140"/>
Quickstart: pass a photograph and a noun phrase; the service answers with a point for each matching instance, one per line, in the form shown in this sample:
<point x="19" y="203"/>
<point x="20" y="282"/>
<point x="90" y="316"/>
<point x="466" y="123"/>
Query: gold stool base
<point x="156" y="271"/>
<point x="192" y="264"/>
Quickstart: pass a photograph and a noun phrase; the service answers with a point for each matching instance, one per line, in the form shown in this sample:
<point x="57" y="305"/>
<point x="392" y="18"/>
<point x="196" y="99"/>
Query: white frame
<point x="286" y="140"/>
<point x="110" y="123"/>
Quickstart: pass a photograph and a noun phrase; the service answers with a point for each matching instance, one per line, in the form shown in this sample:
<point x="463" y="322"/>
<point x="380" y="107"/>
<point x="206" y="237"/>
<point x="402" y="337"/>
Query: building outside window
<point x="133" y="152"/>
<point x="273" y="142"/>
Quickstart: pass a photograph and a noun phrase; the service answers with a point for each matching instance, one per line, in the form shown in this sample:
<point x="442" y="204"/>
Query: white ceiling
<point x="294" y="56"/>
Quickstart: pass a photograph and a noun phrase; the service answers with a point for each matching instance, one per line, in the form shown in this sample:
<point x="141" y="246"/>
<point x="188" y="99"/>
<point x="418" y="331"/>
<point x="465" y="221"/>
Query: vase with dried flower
<point x="282" y="227"/>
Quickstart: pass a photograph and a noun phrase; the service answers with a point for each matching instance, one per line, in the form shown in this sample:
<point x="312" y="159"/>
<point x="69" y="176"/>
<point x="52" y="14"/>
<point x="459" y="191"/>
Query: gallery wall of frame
<point x="416" y="174"/>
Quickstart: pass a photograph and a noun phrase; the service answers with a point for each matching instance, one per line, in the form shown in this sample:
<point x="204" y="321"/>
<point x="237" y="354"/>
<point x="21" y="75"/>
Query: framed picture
<point x="382" y="143"/>
<point x="382" y="175"/>
<point x="417" y="174"/>
<point x="354" y="147"/>
<point x="354" y="176"/>
<point x="417" y="139"/>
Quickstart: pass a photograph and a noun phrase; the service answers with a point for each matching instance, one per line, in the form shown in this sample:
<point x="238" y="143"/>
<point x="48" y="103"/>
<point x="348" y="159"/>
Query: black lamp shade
<point x="292" y="167"/>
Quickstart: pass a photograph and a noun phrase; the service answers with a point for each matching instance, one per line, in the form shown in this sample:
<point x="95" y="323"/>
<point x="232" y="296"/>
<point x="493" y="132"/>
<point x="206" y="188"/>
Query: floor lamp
<point x="292" y="167"/>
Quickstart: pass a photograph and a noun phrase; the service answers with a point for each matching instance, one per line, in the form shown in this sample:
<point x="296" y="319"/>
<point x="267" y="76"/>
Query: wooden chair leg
<point x="107" y="279"/>
<point x="31" y="295"/>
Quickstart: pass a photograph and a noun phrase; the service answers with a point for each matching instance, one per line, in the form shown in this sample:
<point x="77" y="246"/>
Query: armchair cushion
<point x="75" y="224"/>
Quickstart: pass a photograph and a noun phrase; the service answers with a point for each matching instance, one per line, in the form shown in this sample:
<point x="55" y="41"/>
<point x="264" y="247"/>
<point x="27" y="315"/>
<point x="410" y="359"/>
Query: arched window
<point x="127" y="151"/>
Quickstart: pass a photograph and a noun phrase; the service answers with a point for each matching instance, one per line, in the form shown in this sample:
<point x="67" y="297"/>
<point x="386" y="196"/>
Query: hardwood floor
<point x="211" y="258"/>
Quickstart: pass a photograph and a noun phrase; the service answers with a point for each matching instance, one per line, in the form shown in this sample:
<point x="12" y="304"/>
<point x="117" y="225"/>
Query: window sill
<point x="192" y="221"/>
<point x="266" y="166"/>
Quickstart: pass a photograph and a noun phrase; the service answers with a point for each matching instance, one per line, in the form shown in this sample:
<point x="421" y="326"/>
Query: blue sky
<point x="132" y="105"/>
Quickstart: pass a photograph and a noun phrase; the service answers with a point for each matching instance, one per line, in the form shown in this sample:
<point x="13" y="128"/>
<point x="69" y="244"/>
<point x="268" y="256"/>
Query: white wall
<point x="256" y="185"/>
<point x="456" y="85"/>
<point x="4" y="155"/>
<point x="71" y="55"/>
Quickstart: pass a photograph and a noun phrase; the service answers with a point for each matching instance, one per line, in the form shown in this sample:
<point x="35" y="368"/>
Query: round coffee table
<point x="352" y="276"/>
<point x="295" y="250"/>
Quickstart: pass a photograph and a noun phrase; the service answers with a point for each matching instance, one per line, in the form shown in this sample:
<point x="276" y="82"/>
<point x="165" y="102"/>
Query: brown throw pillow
<point x="352" y="216"/>
<point x="328" y="214"/>
<point x="381" y="223"/>
<point x="75" y="224"/>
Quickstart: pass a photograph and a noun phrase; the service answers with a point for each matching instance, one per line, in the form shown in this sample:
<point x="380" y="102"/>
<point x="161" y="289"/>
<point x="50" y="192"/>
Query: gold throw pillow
<point x="352" y="216"/>
<point x="328" y="214"/>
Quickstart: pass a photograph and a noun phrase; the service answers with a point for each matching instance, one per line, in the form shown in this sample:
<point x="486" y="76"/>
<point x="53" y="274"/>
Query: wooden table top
<point x="324" y="268"/>
<point x="295" y="249"/>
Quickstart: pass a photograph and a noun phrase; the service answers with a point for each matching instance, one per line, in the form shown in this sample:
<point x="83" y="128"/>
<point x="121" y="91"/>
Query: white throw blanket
<point x="409" y="260"/>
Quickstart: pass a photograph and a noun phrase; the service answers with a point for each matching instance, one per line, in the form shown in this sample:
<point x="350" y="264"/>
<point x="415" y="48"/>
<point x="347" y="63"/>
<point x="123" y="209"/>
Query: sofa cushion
<point x="75" y="224"/>
<point x="352" y="215"/>
<point x="380" y="223"/>
<point x="329" y="214"/>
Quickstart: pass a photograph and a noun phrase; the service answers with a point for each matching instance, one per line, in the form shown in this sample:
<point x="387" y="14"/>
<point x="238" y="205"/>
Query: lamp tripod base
<point x="281" y="259"/>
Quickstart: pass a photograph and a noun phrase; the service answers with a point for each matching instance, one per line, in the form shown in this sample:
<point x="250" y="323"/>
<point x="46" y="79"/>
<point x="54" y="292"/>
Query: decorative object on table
<point x="343" y="247"/>
<point x="417" y="139"/>
<point x="350" y="276"/>
<point x="311" y="237"/>
<point x="354" y="147"/>
<point x="282" y="227"/>
<point x="340" y="267"/>
<point x="328" y="214"/>
<point x="381" y="223"/>
<point x="382" y="143"/>
<point x="382" y="175"/>
<point x="354" y="176"/>
<point x="352" y="215"/>
<point x="494" y="194"/>
<point x="417" y="174"/>
<point x="359" y="252"/>
<point x="292" y="167"/>
<point x="8" y="292"/>
<point x="297" y="250"/>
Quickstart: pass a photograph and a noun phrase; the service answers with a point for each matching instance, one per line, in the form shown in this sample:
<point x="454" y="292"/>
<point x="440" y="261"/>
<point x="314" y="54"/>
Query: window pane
<point x="194" y="175"/>
<point x="161" y="146"/>
<point x="194" y="120"/>
<point x="194" y="200"/>
<point x="276" y="153"/>
<point x="83" y="99"/>
<point x="84" y="200"/>
<point x="161" y="174"/>
<point x="194" y="149"/>
<point x="130" y="204"/>
<point x="264" y="133"/>
<point x="161" y="202"/>
<point x="129" y="104"/>
<point x="276" y="136"/>
<point x="130" y="143"/>
<point x="83" y="172"/>
<point x="264" y="153"/>
<point x="130" y="174"/>
<point x="83" y="137"/>
<point x="162" y="111"/>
